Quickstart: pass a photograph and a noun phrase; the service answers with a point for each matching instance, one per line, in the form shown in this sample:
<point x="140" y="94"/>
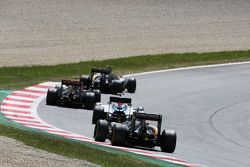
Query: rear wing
<point x="70" y="82"/>
<point x="145" y="116"/>
<point x="101" y="70"/>
<point x="150" y="117"/>
<point x="120" y="104"/>
<point x="120" y="100"/>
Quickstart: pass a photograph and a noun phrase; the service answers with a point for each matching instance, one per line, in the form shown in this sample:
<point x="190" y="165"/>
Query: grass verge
<point x="18" y="77"/>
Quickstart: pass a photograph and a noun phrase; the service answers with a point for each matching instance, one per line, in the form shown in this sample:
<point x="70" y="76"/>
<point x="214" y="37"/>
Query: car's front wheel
<point x="101" y="130"/>
<point x="98" y="113"/>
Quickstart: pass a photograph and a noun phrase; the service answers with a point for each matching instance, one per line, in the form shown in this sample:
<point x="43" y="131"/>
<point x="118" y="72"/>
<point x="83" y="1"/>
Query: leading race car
<point x="137" y="132"/>
<point x="116" y="110"/>
<point x="107" y="82"/>
<point x="72" y="93"/>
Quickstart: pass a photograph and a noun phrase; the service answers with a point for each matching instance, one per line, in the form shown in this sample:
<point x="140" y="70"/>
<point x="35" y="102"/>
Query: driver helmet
<point x="96" y="77"/>
<point x="153" y="129"/>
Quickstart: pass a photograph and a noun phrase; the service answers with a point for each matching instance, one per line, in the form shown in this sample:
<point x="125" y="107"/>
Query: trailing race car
<point x="137" y="132"/>
<point x="117" y="110"/>
<point x="107" y="82"/>
<point x="73" y="94"/>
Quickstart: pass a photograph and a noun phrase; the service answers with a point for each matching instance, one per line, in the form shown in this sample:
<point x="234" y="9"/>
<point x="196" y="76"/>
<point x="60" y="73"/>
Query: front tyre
<point x="168" y="141"/>
<point x="101" y="130"/>
<point x="98" y="113"/>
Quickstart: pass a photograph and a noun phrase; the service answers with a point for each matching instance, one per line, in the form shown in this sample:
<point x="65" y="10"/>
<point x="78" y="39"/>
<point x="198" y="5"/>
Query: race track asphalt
<point x="208" y="107"/>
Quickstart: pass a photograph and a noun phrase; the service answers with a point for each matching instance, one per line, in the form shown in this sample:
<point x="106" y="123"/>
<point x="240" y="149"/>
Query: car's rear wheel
<point x="119" y="134"/>
<point x="117" y="86"/>
<point x="52" y="96"/>
<point x="101" y="130"/>
<point x="97" y="95"/>
<point x="89" y="100"/>
<point x="168" y="141"/>
<point x="131" y="85"/>
<point x="85" y="80"/>
<point x="98" y="113"/>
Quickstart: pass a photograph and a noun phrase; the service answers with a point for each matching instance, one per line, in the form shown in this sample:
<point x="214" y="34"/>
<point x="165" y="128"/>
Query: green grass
<point x="18" y="77"/>
<point x="72" y="149"/>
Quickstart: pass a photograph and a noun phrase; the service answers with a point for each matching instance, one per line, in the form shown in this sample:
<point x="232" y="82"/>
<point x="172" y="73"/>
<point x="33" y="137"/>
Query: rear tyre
<point x="97" y="95"/>
<point x="52" y="97"/>
<point x="131" y="85"/>
<point x="101" y="130"/>
<point x="98" y="113"/>
<point x="85" y="80"/>
<point x="117" y="86"/>
<point x="168" y="141"/>
<point x="89" y="100"/>
<point x="119" y="134"/>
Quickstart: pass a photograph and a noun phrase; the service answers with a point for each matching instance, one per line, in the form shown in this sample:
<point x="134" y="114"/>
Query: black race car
<point x="137" y="132"/>
<point x="104" y="80"/>
<point x="72" y="93"/>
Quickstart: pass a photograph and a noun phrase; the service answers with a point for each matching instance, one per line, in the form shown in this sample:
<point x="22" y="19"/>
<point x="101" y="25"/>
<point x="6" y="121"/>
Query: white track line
<point x="20" y="98"/>
<point x="17" y="102"/>
<point x="14" y="108"/>
<point x="188" y="68"/>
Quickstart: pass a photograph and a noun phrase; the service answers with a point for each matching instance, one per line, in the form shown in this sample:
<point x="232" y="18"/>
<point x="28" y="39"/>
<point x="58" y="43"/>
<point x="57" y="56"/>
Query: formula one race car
<point x="73" y="94"/>
<point x="117" y="110"/>
<point x="137" y="132"/>
<point x="107" y="82"/>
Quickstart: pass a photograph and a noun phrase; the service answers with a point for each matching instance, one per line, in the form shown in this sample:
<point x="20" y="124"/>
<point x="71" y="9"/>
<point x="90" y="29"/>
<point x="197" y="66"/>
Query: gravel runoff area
<point x="16" y="154"/>
<point x="39" y="32"/>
